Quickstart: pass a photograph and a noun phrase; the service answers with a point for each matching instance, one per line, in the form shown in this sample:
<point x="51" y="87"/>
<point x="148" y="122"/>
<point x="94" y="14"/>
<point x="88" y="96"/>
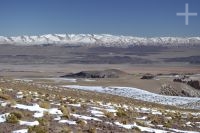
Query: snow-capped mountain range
<point x="98" y="40"/>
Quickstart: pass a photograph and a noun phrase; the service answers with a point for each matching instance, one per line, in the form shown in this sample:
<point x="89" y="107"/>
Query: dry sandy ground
<point x="133" y="80"/>
<point x="57" y="70"/>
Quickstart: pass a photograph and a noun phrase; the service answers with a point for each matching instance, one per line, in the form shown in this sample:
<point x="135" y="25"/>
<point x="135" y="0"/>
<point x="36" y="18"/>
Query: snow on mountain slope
<point x="99" y="40"/>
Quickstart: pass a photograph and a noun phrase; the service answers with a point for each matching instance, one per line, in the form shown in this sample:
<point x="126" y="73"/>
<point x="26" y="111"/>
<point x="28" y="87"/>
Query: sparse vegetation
<point x="92" y="130"/>
<point x="5" y="96"/>
<point x="12" y="118"/>
<point x="66" y="130"/>
<point x="65" y="111"/>
<point x="18" y="114"/>
<point x="81" y="122"/>
<point x="128" y="112"/>
<point x="121" y="112"/>
<point x="38" y="129"/>
<point x="141" y="123"/>
<point x="43" y="122"/>
<point x="44" y="104"/>
<point x="136" y="130"/>
<point x="109" y="114"/>
<point x="156" y="119"/>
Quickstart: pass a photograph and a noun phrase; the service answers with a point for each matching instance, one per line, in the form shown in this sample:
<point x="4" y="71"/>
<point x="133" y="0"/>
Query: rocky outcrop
<point x="170" y="90"/>
<point x="178" y="80"/>
<point x="110" y="73"/>
<point x="147" y="76"/>
<point x="193" y="83"/>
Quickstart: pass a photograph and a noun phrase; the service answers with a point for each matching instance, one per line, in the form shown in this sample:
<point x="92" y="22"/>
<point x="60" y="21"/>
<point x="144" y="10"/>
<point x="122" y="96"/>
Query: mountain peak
<point x="99" y="40"/>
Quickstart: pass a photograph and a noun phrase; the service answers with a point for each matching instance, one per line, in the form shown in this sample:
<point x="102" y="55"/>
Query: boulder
<point x="147" y="76"/>
<point x="194" y="84"/>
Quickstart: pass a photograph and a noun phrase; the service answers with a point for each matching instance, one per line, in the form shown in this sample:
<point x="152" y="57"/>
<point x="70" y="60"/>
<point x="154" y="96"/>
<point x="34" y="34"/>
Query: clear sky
<point x="119" y="17"/>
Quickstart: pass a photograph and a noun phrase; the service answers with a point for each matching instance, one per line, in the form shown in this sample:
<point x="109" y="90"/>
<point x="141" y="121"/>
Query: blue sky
<point x="119" y="17"/>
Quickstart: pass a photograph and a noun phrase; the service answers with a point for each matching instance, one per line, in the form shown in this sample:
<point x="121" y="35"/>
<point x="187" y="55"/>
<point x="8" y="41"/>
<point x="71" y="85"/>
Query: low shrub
<point x="92" y="130"/>
<point x="45" y="105"/>
<point x="5" y="96"/>
<point x="18" y="114"/>
<point x="37" y="129"/>
<point x="66" y="130"/>
<point x="136" y="130"/>
<point x="43" y="122"/>
<point x="11" y="118"/>
<point x="65" y="111"/>
<point x="81" y="122"/>
<point x="121" y="112"/>
<point x="109" y="114"/>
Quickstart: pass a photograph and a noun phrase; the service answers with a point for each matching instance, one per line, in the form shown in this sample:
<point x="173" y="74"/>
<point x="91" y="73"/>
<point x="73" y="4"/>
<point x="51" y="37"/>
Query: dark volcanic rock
<point x="110" y="73"/>
<point x="194" y="84"/>
<point x="178" y="80"/>
<point x="147" y="76"/>
<point x="170" y="90"/>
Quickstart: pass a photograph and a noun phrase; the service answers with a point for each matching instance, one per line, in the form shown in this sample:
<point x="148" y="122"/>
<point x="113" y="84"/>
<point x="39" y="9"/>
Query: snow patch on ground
<point x="138" y="94"/>
<point x="39" y="112"/>
<point x="34" y="123"/>
<point x="97" y="113"/>
<point x="152" y="130"/>
<point x="68" y="122"/>
<point x="60" y="79"/>
<point x="3" y="104"/>
<point x="75" y="105"/>
<point x="3" y="117"/>
<point x="143" y="129"/>
<point x="86" y="117"/>
<point x="21" y="131"/>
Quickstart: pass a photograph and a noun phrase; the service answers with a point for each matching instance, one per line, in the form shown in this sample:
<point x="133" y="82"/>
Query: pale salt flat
<point x="21" y="131"/>
<point x="139" y="94"/>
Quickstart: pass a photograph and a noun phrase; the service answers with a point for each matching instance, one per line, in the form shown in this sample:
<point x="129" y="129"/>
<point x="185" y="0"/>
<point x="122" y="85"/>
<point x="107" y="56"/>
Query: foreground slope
<point x="28" y="106"/>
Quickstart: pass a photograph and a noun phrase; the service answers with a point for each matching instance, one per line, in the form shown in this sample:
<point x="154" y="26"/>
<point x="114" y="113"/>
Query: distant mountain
<point x="99" y="40"/>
